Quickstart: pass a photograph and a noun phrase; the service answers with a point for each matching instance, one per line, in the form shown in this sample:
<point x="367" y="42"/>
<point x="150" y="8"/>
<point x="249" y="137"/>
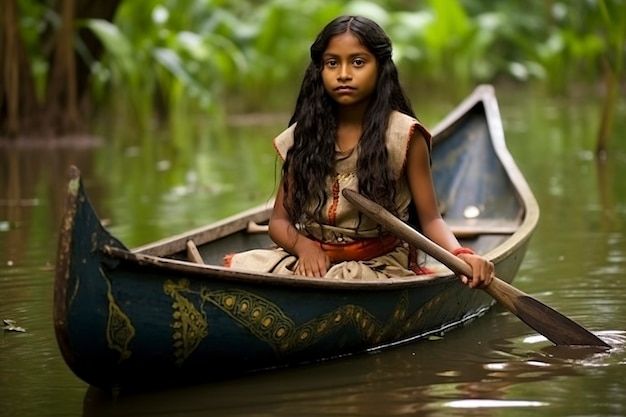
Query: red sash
<point x="361" y="250"/>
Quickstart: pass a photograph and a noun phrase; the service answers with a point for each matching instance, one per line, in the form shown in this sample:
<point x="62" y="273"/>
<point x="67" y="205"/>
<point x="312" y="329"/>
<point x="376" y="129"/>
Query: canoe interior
<point x="476" y="197"/>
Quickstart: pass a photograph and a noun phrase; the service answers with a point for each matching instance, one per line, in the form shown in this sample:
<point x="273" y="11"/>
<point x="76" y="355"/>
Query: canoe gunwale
<point x="62" y="270"/>
<point x="231" y="274"/>
<point x="208" y="233"/>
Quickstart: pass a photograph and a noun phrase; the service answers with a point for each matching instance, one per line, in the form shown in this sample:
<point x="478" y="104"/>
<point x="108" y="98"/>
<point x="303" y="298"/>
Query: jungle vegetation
<point x="62" y="61"/>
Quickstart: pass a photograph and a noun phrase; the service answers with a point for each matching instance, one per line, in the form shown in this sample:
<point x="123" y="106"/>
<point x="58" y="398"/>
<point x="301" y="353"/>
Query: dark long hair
<point x="310" y="161"/>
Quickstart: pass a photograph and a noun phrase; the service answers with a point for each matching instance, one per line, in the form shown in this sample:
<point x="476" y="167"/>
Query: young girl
<point x="353" y="127"/>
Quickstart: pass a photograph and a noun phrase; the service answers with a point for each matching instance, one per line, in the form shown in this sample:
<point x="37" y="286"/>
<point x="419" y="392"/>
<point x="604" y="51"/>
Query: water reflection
<point x="467" y="364"/>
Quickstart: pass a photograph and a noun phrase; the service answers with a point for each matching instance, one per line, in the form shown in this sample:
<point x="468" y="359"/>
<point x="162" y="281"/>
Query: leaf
<point x="9" y="326"/>
<point x="115" y="43"/>
<point x="172" y="62"/>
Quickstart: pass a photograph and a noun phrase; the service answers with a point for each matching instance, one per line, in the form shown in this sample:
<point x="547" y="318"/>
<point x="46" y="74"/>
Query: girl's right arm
<point x="312" y="260"/>
<point x="423" y="190"/>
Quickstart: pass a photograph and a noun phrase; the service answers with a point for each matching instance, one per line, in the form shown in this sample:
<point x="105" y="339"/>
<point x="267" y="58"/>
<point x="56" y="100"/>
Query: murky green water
<point x="149" y="187"/>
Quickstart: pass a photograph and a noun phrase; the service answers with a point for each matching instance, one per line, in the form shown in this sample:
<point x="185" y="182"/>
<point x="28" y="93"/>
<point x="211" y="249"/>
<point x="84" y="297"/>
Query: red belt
<point x="361" y="250"/>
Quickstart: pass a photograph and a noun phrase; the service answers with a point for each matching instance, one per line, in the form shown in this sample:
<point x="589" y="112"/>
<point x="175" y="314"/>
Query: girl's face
<point x="349" y="71"/>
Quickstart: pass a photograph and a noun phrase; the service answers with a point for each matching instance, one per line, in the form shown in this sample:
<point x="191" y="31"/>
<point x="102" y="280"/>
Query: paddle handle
<point x="408" y="233"/>
<point x="500" y="290"/>
<point x="456" y="264"/>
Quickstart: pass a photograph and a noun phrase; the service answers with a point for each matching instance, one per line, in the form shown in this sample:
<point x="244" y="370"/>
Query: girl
<point x="353" y="127"/>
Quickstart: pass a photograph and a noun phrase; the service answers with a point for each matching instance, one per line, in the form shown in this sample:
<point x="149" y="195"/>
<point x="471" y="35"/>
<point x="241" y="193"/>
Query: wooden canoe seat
<point x="460" y="230"/>
<point x="255" y="228"/>
<point x="193" y="254"/>
<point x="468" y="230"/>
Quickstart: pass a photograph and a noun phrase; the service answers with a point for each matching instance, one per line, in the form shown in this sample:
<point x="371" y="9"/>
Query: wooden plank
<point x="193" y="254"/>
<point x="464" y="231"/>
<point x="255" y="228"/>
<point x="468" y="231"/>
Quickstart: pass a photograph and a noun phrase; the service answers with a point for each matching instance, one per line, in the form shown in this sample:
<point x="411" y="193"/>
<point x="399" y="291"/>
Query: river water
<point x="149" y="186"/>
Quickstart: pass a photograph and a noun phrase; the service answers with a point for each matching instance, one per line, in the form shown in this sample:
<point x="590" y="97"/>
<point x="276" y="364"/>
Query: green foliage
<point x="34" y="16"/>
<point x="197" y="55"/>
<point x="155" y="55"/>
<point x="614" y="26"/>
<point x="565" y="44"/>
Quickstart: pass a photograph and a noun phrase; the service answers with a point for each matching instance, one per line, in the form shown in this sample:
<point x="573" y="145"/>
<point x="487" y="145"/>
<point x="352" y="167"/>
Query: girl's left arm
<point x="422" y="188"/>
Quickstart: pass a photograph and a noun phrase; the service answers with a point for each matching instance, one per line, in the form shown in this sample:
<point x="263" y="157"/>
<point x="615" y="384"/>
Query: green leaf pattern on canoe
<point x="119" y="329"/>
<point x="269" y="323"/>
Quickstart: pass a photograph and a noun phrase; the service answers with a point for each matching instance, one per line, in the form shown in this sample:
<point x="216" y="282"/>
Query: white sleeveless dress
<point x="340" y="221"/>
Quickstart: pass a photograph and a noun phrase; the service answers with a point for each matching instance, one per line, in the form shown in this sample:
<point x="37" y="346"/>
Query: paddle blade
<point x="559" y="329"/>
<point x="556" y="327"/>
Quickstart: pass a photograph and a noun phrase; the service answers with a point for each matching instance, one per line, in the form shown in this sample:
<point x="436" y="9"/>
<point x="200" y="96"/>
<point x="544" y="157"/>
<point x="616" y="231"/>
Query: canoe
<point x="168" y="314"/>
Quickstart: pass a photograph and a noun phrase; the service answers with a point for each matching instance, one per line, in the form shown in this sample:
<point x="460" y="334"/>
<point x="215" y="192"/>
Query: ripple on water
<point x="493" y="404"/>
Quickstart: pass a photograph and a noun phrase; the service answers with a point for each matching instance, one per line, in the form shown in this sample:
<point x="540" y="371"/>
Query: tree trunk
<point x="60" y="112"/>
<point x="18" y="102"/>
<point x="606" y="119"/>
<point x="62" y="94"/>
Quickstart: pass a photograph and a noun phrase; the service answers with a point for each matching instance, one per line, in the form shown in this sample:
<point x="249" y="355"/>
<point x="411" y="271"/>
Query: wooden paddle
<point x="556" y="327"/>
